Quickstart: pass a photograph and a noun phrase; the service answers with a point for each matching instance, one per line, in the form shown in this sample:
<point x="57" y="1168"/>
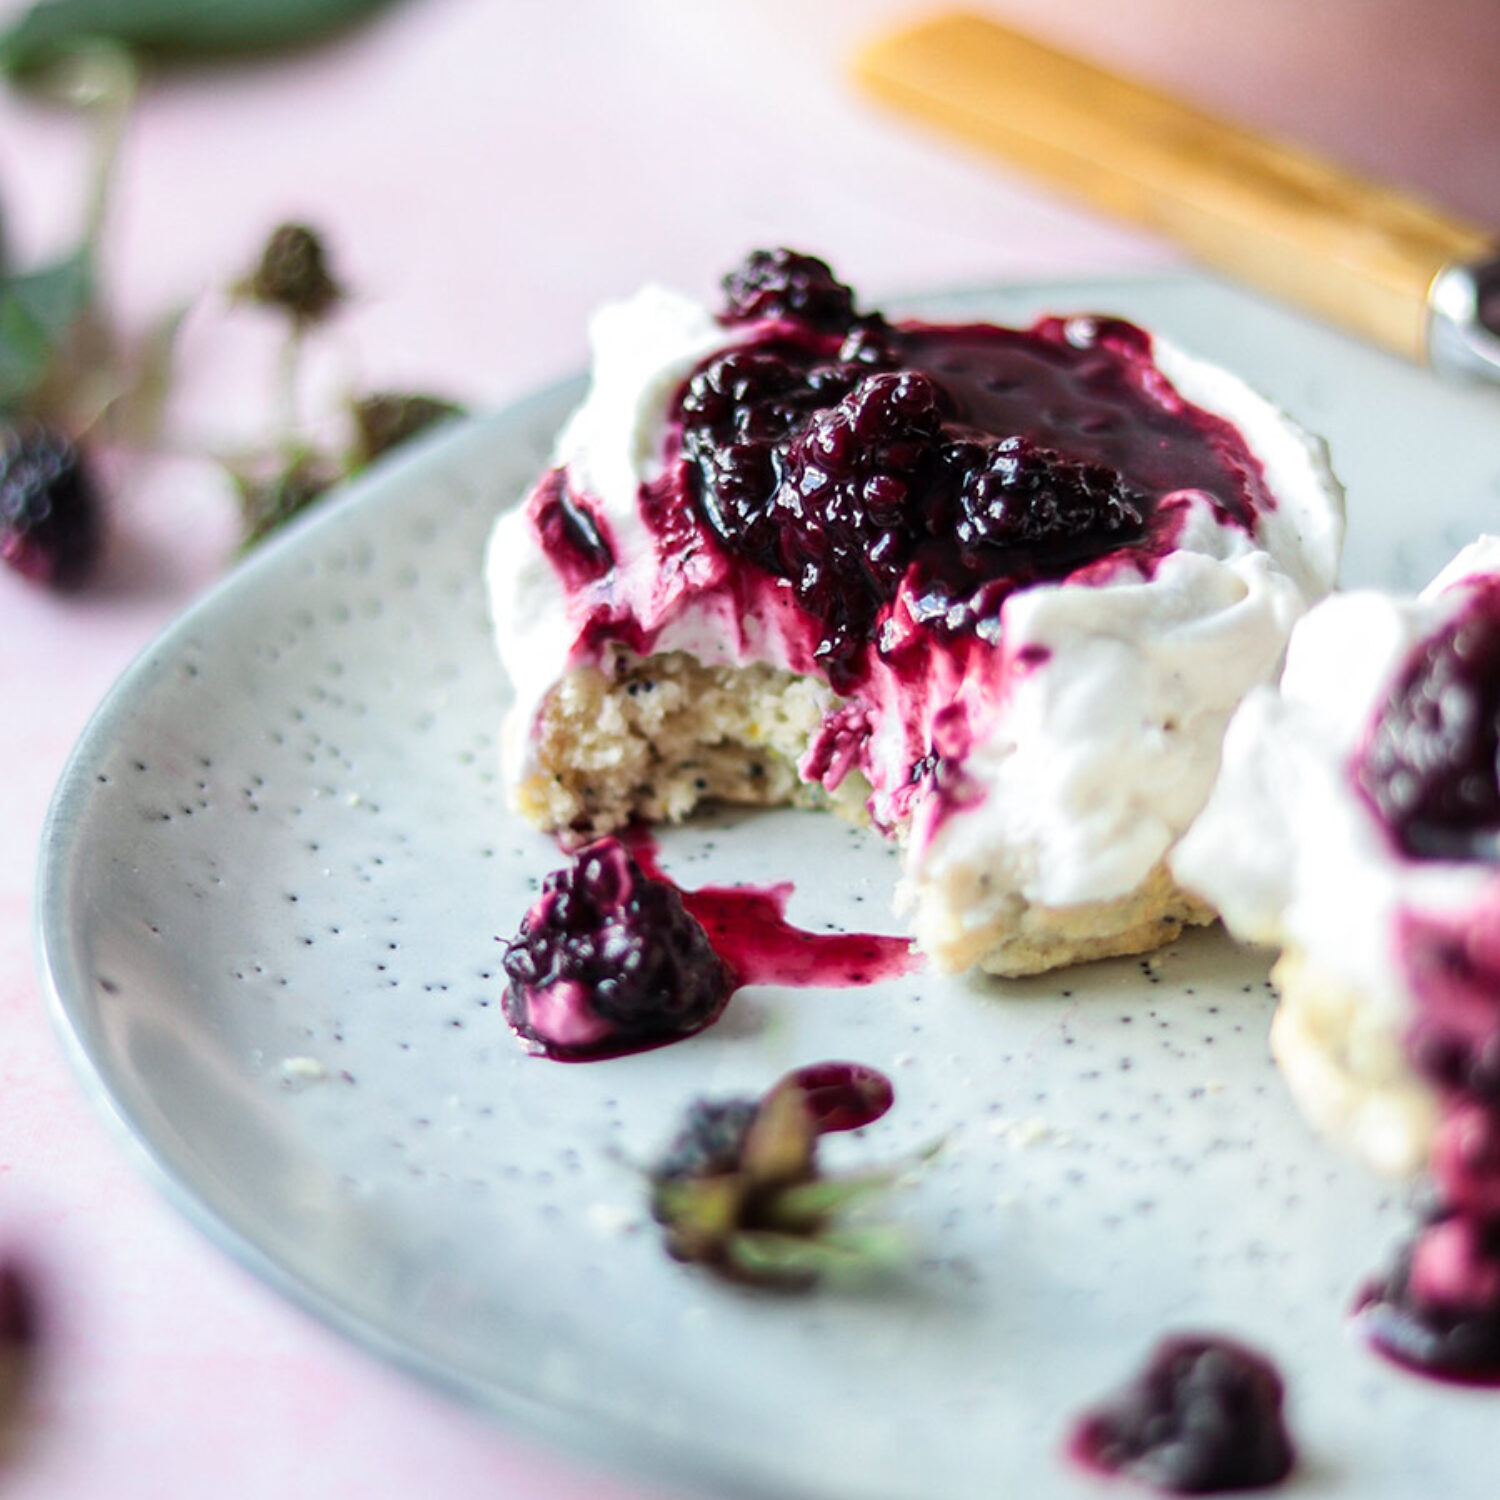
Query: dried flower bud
<point x="293" y="275"/>
<point x="740" y="1191"/>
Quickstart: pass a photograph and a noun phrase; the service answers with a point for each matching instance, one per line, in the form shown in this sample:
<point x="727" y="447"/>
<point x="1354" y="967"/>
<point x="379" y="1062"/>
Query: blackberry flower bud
<point x="293" y="274"/>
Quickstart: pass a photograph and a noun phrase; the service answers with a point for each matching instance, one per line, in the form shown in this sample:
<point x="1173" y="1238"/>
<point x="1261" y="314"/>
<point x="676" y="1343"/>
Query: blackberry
<point x="784" y="284"/>
<point x="51" y="526"/>
<point x="1452" y="1331"/>
<point x="609" y="960"/>
<point x="1017" y="494"/>
<point x="815" y="471"/>
<point x="1203" y="1416"/>
<point x="1431" y="761"/>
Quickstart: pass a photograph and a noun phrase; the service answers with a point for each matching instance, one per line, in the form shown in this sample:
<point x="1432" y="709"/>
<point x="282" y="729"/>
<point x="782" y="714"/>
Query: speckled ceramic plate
<point x="272" y="886"/>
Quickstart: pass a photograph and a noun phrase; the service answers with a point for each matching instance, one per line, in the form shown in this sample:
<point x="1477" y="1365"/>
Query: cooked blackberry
<point x="1203" y="1416"/>
<point x="609" y="960"/>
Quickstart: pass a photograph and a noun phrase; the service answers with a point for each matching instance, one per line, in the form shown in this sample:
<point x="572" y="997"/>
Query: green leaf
<point x="797" y="1261"/>
<point x="52" y="29"/>
<point x="38" y="311"/>
<point x="807" y="1204"/>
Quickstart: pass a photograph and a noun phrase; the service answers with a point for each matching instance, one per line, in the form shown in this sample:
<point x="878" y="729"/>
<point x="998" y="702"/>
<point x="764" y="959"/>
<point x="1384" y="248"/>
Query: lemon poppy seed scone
<point x="994" y="591"/>
<point x="1356" y="826"/>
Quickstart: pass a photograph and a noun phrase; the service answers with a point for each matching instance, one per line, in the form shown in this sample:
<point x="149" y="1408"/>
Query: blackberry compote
<point x="607" y="961"/>
<point x="853" y="458"/>
<point x="1203" y="1416"/>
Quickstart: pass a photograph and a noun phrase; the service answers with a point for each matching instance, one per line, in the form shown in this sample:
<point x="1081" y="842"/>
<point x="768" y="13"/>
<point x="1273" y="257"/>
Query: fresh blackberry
<point x="740" y="1191"/>
<point x="784" y="284"/>
<point x="609" y="959"/>
<point x="1203" y="1416"/>
<point x="51" y="527"/>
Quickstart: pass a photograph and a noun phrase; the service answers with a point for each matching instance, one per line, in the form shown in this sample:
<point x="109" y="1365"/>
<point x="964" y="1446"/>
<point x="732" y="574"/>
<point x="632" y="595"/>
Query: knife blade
<point x="1380" y="262"/>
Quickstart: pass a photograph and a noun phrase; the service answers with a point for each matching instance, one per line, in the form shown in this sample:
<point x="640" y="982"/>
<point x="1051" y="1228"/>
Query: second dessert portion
<point x="995" y="591"/>
<point x="1356" y="825"/>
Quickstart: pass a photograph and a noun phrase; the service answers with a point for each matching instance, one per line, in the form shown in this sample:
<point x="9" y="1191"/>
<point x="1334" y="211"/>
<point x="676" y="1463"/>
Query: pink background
<point x="485" y="174"/>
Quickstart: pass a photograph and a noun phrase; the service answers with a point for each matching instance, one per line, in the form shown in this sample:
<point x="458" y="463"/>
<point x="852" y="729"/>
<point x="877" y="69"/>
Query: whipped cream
<point x="1093" y="729"/>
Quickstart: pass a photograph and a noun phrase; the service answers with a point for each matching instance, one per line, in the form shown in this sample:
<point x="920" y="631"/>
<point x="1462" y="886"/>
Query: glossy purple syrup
<point x="1202" y="1417"/>
<point x="850" y="458"/>
<point x="1438" y="1309"/>
<point x="748" y="929"/>
<point x="570" y="534"/>
<point x="1430" y="764"/>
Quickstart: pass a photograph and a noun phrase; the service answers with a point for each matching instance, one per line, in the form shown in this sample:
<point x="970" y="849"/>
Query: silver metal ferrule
<point x="1463" y="321"/>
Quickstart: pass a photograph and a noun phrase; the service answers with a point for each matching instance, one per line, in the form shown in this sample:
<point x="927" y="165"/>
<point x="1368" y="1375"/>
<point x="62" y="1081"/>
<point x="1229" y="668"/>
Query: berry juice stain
<point x="613" y="958"/>
<point x="747" y="927"/>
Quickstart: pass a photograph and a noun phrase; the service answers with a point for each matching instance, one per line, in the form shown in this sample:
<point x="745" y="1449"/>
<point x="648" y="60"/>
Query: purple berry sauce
<point x="572" y="536"/>
<point x="1203" y="1416"/>
<point x="877" y="491"/>
<point x="748" y="929"/>
<point x="848" y="457"/>
<point x="613" y="958"/>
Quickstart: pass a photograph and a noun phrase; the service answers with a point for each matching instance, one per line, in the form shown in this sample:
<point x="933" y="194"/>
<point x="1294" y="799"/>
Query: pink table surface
<point x="485" y="174"/>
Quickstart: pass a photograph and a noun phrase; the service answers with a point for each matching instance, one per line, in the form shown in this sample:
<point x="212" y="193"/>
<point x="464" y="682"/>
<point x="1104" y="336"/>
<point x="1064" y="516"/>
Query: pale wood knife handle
<point x="1270" y="214"/>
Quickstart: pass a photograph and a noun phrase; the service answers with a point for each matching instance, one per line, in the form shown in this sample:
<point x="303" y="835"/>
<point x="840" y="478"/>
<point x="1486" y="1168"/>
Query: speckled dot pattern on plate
<point x="276" y="880"/>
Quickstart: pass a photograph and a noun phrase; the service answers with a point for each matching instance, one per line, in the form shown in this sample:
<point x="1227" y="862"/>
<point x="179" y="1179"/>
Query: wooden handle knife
<point x="1377" y="261"/>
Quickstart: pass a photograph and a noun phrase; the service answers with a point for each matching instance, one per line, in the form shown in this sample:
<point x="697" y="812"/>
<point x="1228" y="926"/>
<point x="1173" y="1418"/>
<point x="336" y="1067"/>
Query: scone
<point x="1356" y="826"/>
<point x="994" y="591"/>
